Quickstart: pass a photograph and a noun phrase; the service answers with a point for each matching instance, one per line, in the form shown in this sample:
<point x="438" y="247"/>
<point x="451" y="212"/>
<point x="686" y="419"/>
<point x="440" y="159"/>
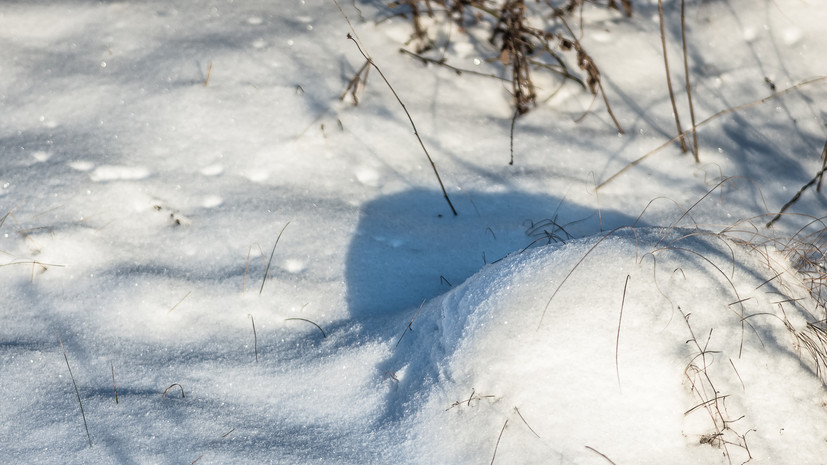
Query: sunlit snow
<point x="238" y="266"/>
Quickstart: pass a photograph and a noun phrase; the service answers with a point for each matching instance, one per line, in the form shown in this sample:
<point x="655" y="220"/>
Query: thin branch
<point x="312" y="323"/>
<point x="267" y="269"/>
<point x="409" y="328"/>
<point x="669" y="77"/>
<point x="179" y="302"/>
<point x="77" y="392"/>
<point x="402" y="104"/>
<point x="511" y="135"/>
<point x="526" y="423"/>
<point x="255" y="336"/>
<point x="688" y="85"/>
<point x="442" y="62"/>
<point x="795" y="198"/>
<point x="600" y="454"/>
<point x="619" y="321"/>
<point x="707" y="121"/>
<point x="497" y="446"/>
<point x="170" y="387"/>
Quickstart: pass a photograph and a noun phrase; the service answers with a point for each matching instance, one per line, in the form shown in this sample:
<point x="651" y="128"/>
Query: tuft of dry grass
<point x="710" y="398"/>
<point x="794" y="264"/>
<point x="524" y="40"/>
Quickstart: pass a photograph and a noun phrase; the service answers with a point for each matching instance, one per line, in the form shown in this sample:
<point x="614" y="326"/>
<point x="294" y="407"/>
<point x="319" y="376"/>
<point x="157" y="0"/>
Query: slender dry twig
<point x="170" y="387"/>
<point x="707" y="121"/>
<point x="355" y="39"/>
<point x="669" y="77"/>
<point x="688" y="85"/>
<point x="312" y="323"/>
<point x="209" y="72"/>
<point x="711" y="400"/>
<point x="797" y="195"/>
<point x="619" y="321"/>
<point x="526" y="423"/>
<point x="441" y="62"/>
<point x="471" y="397"/>
<point x="179" y="302"/>
<point x="587" y="64"/>
<point x="823" y="165"/>
<point x="267" y="269"/>
<point x="409" y="328"/>
<point x="413" y="125"/>
<point x="511" y="135"/>
<point x="497" y="446"/>
<point x="600" y="454"/>
<point x="577" y="265"/>
<point x="77" y="392"/>
<point x="255" y="336"/>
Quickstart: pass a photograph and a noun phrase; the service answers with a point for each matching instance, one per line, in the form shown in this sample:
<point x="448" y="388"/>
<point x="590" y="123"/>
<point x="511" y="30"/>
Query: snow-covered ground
<point x="151" y="153"/>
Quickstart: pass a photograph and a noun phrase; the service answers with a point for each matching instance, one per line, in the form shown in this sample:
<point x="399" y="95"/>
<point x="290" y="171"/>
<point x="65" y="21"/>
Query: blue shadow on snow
<point x="408" y="247"/>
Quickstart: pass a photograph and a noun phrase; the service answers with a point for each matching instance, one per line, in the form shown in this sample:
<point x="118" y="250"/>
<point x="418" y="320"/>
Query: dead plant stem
<point x="669" y="78"/>
<point x="77" y="392"/>
<point x="688" y="84"/>
<point x="355" y="38"/>
<point x="707" y="121"/>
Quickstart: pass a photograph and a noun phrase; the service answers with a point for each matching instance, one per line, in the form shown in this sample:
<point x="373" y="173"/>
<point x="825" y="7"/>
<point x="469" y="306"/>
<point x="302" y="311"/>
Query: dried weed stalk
<point x="516" y="48"/>
<point x="521" y="46"/>
<point x="700" y="382"/>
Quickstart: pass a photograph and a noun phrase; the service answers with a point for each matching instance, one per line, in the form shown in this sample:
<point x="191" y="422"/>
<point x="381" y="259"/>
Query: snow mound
<point x="636" y="345"/>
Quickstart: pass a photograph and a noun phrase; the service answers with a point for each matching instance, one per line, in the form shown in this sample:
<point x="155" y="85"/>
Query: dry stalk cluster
<point x="711" y="400"/>
<point x="525" y="38"/>
<point x="806" y="253"/>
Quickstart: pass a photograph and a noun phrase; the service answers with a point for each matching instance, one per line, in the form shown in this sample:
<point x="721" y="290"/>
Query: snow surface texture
<point x="151" y="152"/>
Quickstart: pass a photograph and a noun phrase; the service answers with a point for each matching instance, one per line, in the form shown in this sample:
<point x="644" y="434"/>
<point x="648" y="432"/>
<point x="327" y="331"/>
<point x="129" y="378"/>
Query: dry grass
<point x="77" y="391"/>
<point x="523" y="38"/>
<point x="710" y="398"/>
<point x="172" y="386"/>
<point x="796" y="266"/>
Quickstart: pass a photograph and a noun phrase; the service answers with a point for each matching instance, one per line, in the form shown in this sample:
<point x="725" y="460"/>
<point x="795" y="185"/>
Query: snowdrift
<point x="640" y="346"/>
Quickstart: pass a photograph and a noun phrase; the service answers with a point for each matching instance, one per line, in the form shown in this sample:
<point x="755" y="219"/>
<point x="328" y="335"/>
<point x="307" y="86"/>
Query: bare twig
<point x="179" y="302"/>
<point x="312" y="323"/>
<point x="619" y="321"/>
<point x="688" y="85"/>
<point x="367" y="57"/>
<point x="797" y="195"/>
<point x="267" y="269"/>
<point x="526" y="423"/>
<point x="511" y="135"/>
<point x="409" y="328"/>
<point x="170" y="387"/>
<point x="77" y="392"/>
<point x="442" y="62"/>
<point x="209" y="72"/>
<point x="255" y="336"/>
<point x="669" y="77"/>
<point x="707" y="121"/>
<point x="497" y="446"/>
<point x="600" y="454"/>
<point x="587" y="64"/>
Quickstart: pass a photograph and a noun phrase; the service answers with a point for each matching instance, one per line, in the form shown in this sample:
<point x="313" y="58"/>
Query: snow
<point x="151" y="153"/>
